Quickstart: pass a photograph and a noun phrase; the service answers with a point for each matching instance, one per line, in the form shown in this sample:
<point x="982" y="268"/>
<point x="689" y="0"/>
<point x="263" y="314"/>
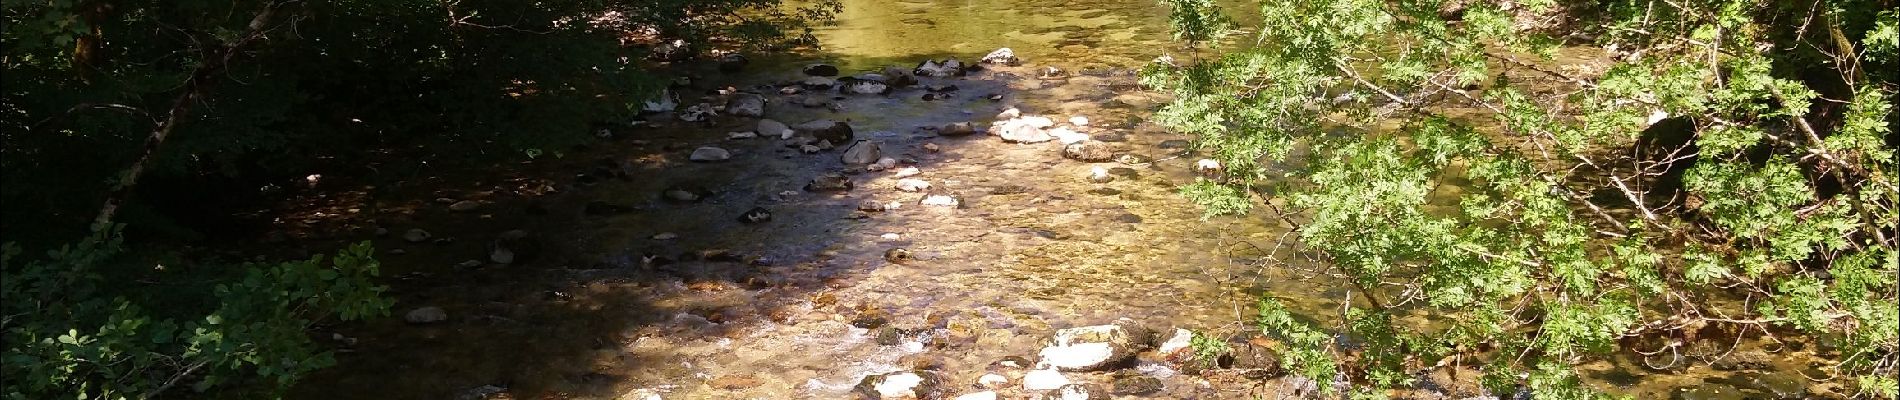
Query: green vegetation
<point x="1526" y="186"/>
<point x="151" y="121"/>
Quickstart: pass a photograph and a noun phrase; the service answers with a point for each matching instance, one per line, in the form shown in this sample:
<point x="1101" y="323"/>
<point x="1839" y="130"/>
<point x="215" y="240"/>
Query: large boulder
<point x="1002" y="56"/>
<point x="746" y="105"/>
<point x="826" y="130"/>
<point x="901" y="385"/>
<point x="1088" y="151"/>
<point x="1095" y="348"/>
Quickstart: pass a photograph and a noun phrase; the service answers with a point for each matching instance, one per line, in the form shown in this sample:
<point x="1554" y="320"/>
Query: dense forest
<point x="1516" y="188"/>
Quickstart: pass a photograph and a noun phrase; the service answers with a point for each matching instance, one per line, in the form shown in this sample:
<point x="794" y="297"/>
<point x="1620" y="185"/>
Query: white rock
<point x="1044" y="379"/>
<point x="1079" y="120"/>
<point x="1003" y="56"/>
<point x="1095" y="347"/>
<point x="1020" y="131"/>
<point x="1066" y="136"/>
<point x="666" y="236"/>
<point x="896" y="385"/>
<point x="913" y="185"/>
<point x="1099" y="175"/>
<point x="640" y="394"/>
<point x="992" y="381"/>
<point x="465" y="205"/>
<point x="983" y="395"/>
<point x="1038" y="121"/>
<point x="426" y="315"/>
<point x="1181" y="340"/>
<point x="883" y="164"/>
<point x="889" y="236"/>
<point x="1077" y="356"/>
<point x="907" y="172"/>
<point x="1010" y="113"/>
<point x="710" y="154"/>
<point x="740" y="135"/>
<point x="770" y="128"/>
<point x="941" y="200"/>
<point x="1207" y="165"/>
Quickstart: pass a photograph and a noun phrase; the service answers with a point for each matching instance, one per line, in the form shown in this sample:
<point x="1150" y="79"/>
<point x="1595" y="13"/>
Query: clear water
<point x="1035" y="248"/>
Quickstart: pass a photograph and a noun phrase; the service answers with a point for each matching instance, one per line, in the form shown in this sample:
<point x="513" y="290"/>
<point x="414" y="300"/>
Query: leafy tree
<point x="121" y="110"/>
<point x="1551" y="183"/>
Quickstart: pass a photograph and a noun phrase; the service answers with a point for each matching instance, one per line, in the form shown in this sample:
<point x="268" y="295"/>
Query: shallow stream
<point x="779" y="310"/>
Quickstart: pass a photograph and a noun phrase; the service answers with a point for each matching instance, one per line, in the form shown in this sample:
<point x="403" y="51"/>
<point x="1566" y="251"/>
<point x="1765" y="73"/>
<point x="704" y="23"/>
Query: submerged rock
<point x="746" y="105"/>
<point x="901" y="385"/>
<point x="698" y="113"/>
<point x="732" y="62"/>
<point x="1088" y="151"/>
<point x="863" y="86"/>
<point x="832" y="182"/>
<point x="416" y="236"/>
<point x="756" y="215"/>
<point x="426" y="315"/>
<point x="818" y="83"/>
<point x="710" y="154"/>
<point x="956" y="129"/>
<point x="821" y="70"/>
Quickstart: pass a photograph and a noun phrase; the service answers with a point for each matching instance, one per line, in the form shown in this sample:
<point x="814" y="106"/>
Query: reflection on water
<point x="1074" y="34"/>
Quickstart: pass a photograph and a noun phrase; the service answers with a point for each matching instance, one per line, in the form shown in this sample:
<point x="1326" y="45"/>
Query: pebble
<point x="907" y="172"/>
<point x="983" y="395"/>
<point x="741" y="135"/>
<point x="1079" y="120"/>
<point x="666" y="236"/>
<point x="932" y="147"/>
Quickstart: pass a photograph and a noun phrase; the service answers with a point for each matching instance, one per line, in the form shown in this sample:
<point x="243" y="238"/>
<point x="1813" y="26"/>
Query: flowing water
<point x="780" y="309"/>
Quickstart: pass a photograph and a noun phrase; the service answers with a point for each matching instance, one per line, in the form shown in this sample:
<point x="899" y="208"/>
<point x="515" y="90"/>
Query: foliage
<point x="74" y="333"/>
<point x="1545" y="200"/>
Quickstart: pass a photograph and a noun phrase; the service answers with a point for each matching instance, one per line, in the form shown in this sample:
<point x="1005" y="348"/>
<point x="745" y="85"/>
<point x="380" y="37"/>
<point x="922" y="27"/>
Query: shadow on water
<point x="779" y="308"/>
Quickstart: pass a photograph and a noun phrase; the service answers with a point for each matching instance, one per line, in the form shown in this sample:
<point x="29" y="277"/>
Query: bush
<point x="73" y="333"/>
<point x="1543" y="212"/>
